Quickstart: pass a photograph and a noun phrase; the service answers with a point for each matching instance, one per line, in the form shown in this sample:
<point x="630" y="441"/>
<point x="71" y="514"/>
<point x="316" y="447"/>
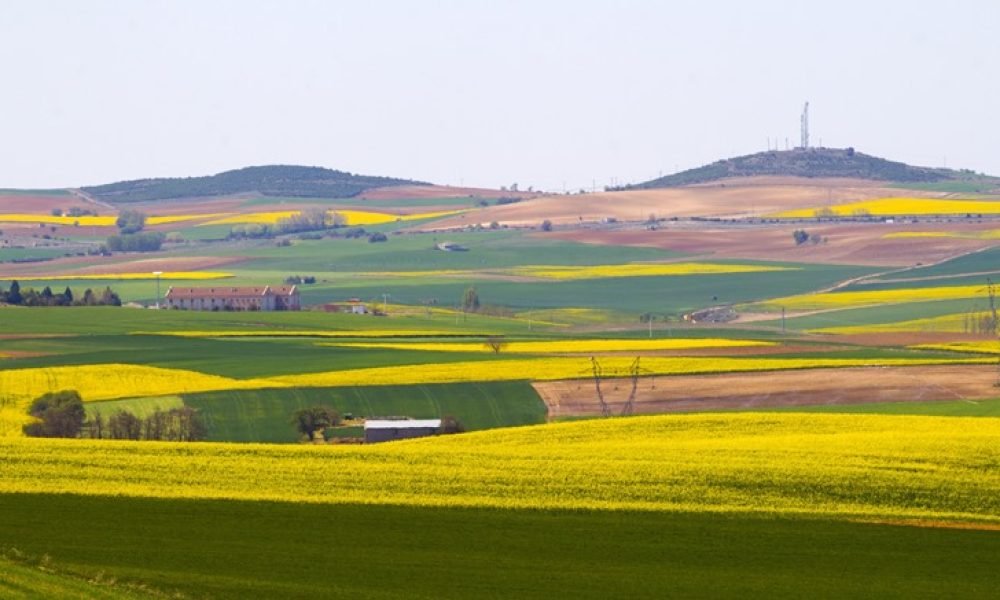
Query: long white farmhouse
<point x="267" y="298"/>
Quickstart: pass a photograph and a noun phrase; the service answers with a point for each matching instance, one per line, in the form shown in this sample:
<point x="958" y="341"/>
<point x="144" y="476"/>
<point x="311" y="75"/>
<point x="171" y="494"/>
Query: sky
<point x="558" y="95"/>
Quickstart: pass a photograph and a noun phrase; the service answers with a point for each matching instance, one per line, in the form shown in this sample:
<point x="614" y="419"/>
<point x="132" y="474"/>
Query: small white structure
<point x="387" y="430"/>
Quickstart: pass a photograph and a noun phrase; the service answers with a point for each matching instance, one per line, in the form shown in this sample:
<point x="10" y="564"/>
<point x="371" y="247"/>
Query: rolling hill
<point x="823" y="162"/>
<point x="272" y="180"/>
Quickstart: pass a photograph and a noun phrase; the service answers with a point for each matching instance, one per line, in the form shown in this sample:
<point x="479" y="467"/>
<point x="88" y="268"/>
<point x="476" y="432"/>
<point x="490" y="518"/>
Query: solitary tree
<point x="496" y="343"/>
<point x="59" y="414"/>
<point x="546" y="225"/>
<point x="14" y="293"/>
<point x="470" y="299"/>
<point x="308" y="421"/>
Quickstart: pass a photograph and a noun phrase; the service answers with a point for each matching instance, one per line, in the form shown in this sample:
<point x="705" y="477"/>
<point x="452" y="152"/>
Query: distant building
<point x="266" y="298"/>
<point x="387" y="430"/>
<point x="354" y="306"/>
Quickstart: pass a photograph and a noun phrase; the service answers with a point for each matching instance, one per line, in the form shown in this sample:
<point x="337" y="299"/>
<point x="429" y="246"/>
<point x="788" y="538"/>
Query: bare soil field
<point x="773" y="389"/>
<point x="40" y="203"/>
<point x="735" y="198"/>
<point x="844" y="243"/>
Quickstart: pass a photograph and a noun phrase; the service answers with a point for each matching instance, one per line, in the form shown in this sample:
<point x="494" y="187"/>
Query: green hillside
<point x="825" y="162"/>
<point x="272" y="180"/>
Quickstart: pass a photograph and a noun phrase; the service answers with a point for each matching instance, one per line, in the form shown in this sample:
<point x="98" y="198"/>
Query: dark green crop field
<point x="225" y="549"/>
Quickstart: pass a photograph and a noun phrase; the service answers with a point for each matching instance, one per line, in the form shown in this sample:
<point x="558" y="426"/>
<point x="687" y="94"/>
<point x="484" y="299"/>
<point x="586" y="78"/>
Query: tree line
<point x="62" y="415"/>
<point x="46" y="297"/>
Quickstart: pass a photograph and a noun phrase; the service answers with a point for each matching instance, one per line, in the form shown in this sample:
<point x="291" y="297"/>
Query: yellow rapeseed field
<point x="353" y="333"/>
<point x="96" y="221"/>
<point x="352" y="217"/>
<point x="18" y="387"/>
<point x="638" y="270"/>
<point x="839" y="466"/>
<point x="873" y="297"/>
<point x="131" y="276"/>
<point x="981" y="347"/>
<point x="898" y="206"/>
<point x="564" y="346"/>
<point x="553" y="368"/>
<point x="952" y="323"/>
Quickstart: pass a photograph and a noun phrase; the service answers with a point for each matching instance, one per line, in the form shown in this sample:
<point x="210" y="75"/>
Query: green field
<point x="265" y="415"/>
<point x="225" y="549"/>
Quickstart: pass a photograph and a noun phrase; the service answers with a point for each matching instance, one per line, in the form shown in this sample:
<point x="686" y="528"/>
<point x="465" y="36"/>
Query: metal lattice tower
<point x="805" y="127"/>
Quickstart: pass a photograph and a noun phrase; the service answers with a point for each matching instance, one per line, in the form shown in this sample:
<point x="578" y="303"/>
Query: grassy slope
<point x="23" y="581"/>
<point x="255" y="549"/>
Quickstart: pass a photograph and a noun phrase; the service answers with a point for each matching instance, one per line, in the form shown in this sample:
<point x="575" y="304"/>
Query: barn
<point x="387" y="430"/>
<point x="234" y="298"/>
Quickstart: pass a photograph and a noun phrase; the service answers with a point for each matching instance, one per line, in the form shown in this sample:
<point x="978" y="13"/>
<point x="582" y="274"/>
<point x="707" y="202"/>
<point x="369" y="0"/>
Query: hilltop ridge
<point x="815" y="163"/>
<point x="269" y="180"/>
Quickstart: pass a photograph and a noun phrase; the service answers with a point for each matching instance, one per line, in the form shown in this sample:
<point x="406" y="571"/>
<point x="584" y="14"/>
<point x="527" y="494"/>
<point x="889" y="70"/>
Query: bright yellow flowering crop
<point x="96" y="221"/>
<point x="84" y="221"/>
<point x="874" y="297"/>
<point x="898" y="206"/>
<point x="840" y="466"/>
<point x="953" y="323"/>
<point x="18" y="387"/>
<point x="565" y="346"/>
<point x="552" y="368"/>
<point x="982" y="347"/>
<point x="351" y="217"/>
<point x="354" y="333"/>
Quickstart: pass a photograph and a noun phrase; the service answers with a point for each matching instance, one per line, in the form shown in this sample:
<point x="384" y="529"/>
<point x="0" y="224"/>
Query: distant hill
<point x="273" y="180"/>
<point x="819" y="162"/>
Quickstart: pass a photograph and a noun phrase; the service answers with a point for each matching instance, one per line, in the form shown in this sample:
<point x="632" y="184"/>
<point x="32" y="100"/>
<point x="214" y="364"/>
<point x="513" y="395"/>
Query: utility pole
<point x="157" y="273"/>
<point x="650" y="321"/>
<point x="385" y="304"/>
<point x="782" y="319"/>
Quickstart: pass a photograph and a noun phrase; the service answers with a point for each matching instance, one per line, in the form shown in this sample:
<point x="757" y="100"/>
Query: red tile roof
<point x="230" y="292"/>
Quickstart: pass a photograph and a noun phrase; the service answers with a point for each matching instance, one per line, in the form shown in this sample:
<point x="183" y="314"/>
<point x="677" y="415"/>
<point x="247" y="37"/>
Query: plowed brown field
<point x="773" y="389"/>
<point x="745" y="197"/>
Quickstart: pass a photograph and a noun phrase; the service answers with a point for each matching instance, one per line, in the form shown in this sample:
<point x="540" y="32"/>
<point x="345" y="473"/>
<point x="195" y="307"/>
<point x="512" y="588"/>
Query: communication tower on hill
<point x="805" y="127"/>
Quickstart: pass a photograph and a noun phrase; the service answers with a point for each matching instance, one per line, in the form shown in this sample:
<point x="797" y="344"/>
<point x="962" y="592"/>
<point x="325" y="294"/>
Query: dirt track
<point x="773" y="389"/>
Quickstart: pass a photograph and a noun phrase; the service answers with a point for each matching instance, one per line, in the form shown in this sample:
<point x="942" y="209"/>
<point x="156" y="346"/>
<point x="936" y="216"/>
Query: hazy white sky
<point x="540" y="92"/>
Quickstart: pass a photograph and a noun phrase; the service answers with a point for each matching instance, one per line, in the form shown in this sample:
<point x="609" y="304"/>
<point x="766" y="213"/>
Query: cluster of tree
<point x="470" y="299"/>
<point x="276" y="180"/>
<point x="508" y="200"/>
<point x="300" y="279"/>
<point x="60" y="415"/>
<point x="74" y="211"/>
<point x="546" y="225"/>
<point x="376" y="237"/>
<point x="801" y="236"/>
<point x="30" y="297"/>
<point x="313" y="219"/>
<point x="182" y="424"/>
<point x="130" y="221"/>
<point x="149" y="241"/>
<point x="310" y="422"/>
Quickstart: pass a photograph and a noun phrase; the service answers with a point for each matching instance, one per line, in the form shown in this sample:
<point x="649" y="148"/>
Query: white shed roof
<point x="402" y="423"/>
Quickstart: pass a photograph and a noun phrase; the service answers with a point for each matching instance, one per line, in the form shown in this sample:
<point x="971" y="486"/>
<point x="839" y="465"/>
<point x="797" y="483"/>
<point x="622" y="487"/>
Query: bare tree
<point x="496" y="343"/>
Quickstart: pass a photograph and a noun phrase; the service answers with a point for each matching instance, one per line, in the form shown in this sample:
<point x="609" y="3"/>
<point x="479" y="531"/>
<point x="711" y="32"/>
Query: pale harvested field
<point x="97" y="265"/>
<point x="773" y="389"/>
<point x="742" y="198"/>
<point x="436" y="191"/>
<point x="846" y="243"/>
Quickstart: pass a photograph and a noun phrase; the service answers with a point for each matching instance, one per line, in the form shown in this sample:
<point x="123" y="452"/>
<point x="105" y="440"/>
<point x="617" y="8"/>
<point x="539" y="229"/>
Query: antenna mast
<point x="805" y="127"/>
